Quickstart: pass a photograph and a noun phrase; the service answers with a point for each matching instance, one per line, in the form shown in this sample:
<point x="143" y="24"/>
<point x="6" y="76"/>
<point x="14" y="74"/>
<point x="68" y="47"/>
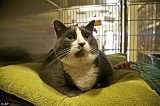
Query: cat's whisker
<point x="70" y="54"/>
<point x="95" y="53"/>
<point x="58" y="57"/>
<point x="62" y="53"/>
<point x="66" y="56"/>
<point x="64" y="50"/>
<point x="94" y="50"/>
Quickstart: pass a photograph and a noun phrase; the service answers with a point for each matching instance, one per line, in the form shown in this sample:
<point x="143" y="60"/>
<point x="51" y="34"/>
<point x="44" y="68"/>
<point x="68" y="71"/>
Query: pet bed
<point x="150" y="74"/>
<point x="129" y="90"/>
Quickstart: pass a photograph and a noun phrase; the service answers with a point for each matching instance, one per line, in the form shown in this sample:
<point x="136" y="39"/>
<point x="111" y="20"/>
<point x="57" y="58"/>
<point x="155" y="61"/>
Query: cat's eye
<point x="71" y="37"/>
<point x="87" y="35"/>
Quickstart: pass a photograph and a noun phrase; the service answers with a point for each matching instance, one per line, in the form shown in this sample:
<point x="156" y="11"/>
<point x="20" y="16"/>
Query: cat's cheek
<point x="74" y="47"/>
<point x="92" y="57"/>
<point x="87" y="48"/>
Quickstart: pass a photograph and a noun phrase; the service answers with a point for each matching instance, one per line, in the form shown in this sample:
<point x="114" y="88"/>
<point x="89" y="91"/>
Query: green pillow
<point x="130" y="90"/>
<point x="117" y="58"/>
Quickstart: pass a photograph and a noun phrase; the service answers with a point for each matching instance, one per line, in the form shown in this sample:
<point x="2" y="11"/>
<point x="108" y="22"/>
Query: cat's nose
<point x="81" y="44"/>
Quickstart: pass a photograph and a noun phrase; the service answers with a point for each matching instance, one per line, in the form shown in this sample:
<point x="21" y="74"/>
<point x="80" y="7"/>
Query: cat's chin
<point x="88" y="58"/>
<point x="80" y="54"/>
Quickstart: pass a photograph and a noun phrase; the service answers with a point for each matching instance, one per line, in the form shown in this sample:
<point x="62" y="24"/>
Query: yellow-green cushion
<point x="117" y="58"/>
<point x="24" y="82"/>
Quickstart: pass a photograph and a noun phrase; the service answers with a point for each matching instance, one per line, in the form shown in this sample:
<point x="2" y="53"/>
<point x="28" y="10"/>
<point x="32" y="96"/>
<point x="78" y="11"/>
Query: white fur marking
<point x="84" y="77"/>
<point x="74" y="47"/>
<point x="79" y="36"/>
<point x="78" y="62"/>
<point x="81" y="70"/>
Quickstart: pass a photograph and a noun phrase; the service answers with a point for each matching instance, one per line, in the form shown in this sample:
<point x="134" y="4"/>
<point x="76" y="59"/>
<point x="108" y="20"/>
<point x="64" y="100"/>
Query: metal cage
<point x="122" y="26"/>
<point x="142" y="29"/>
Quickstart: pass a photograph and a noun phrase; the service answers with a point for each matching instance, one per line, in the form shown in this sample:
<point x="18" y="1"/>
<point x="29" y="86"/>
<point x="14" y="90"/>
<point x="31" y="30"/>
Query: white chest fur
<point x="84" y="77"/>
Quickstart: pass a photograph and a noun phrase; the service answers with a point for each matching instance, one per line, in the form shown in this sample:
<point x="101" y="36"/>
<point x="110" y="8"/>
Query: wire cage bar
<point x="108" y="23"/>
<point x="143" y="29"/>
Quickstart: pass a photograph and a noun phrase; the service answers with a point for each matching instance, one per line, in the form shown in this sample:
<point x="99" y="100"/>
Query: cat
<point x="75" y="65"/>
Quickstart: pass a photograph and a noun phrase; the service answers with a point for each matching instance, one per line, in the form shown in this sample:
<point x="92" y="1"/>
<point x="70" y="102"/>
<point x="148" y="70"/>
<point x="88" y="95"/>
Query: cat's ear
<point x="90" y="26"/>
<point x="59" y="28"/>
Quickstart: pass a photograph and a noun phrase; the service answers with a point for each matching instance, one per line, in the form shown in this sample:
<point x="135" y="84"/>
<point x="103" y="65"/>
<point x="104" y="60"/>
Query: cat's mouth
<point x="80" y="53"/>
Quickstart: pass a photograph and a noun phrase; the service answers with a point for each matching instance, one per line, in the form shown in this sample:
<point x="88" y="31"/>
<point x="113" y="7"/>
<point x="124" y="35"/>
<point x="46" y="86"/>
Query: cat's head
<point x="75" y="45"/>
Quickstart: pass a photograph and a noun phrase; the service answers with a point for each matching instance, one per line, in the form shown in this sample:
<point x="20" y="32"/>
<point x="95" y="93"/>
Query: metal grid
<point x="108" y="32"/>
<point x="143" y="29"/>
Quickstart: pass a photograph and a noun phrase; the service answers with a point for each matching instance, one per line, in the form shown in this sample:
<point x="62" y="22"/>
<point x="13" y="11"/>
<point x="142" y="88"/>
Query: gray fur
<point x="54" y="71"/>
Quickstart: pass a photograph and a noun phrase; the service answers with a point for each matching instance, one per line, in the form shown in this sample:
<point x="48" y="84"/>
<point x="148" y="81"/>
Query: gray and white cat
<point x="75" y="64"/>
